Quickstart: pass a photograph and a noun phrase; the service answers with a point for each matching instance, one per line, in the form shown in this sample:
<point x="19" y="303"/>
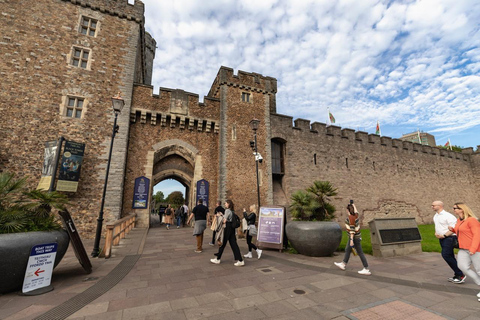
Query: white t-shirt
<point x="442" y="220"/>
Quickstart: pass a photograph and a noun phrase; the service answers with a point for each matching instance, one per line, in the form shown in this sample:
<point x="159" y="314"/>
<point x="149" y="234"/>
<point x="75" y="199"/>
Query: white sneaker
<point x="365" y="272"/>
<point x="259" y="253"/>
<point x="341" y="265"/>
<point x="238" y="263"/>
<point x="478" y="295"/>
<point x="248" y="255"/>
<point x="215" y="261"/>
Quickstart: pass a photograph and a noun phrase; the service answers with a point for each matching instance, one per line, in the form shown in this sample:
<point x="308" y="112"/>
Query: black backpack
<point x="168" y="211"/>
<point x="235" y="220"/>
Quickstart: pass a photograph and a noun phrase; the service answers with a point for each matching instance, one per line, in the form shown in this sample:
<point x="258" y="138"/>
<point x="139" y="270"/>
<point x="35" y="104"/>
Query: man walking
<point x="219" y="210"/>
<point x="200" y="212"/>
<point x="443" y="220"/>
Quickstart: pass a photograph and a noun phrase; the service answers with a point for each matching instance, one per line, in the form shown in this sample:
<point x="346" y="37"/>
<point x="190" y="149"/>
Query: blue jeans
<point x="179" y="220"/>
<point x="449" y="256"/>
<point x="358" y="246"/>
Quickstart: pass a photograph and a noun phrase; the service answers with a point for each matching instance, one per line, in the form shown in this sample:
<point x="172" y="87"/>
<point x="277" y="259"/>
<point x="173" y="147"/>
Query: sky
<point x="410" y="65"/>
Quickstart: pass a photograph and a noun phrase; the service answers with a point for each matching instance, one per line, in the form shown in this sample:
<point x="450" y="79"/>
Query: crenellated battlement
<point x="120" y="8"/>
<point x="249" y="81"/>
<point x="349" y="136"/>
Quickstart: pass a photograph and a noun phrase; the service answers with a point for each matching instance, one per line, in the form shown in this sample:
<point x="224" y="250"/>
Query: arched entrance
<point x="178" y="160"/>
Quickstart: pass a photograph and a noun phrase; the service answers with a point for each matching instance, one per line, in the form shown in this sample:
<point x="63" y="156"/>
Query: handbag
<point x="214" y="224"/>
<point x="244" y="225"/>
<point x="455" y="242"/>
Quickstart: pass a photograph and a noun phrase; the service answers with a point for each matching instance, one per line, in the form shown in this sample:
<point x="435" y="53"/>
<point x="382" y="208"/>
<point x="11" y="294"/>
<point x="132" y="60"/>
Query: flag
<point x="332" y="118"/>
<point x="448" y="144"/>
<point x="419" y="139"/>
<point x="378" y="131"/>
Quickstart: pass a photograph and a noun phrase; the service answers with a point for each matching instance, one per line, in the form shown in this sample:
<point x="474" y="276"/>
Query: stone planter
<point x="314" y="238"/>
<point x="15" y="251"/>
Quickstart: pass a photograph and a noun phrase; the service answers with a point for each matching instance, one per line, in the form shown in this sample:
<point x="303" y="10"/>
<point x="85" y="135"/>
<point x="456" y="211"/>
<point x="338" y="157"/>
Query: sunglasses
<point x="456" y="208"/>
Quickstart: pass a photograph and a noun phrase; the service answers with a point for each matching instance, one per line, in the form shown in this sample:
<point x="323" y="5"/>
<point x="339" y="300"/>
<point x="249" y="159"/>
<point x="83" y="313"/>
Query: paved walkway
<point x="169" y="281"/>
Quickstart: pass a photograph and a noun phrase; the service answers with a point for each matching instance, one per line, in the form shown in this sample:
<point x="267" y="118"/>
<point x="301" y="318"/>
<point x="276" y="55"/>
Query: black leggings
<point x="229" y="236"/>
<point x="249" y="242"/>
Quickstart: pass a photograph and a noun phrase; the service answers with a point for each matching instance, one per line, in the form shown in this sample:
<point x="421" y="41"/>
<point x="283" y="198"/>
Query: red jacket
<point x="468" y="232"/>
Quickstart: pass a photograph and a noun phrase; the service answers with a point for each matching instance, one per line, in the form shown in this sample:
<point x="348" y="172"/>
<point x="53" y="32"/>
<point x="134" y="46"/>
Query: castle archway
<point x="178" y="160"/>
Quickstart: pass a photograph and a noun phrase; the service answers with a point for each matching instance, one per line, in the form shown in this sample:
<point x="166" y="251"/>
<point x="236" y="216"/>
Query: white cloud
<point x="405" y="63"/>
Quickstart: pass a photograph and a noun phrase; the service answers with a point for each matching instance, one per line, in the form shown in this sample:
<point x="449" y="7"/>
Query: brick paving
<point x="171" y="281"/>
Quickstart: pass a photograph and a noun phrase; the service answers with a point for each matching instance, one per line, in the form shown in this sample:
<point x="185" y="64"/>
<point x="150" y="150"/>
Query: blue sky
<point x="411" y="65"/>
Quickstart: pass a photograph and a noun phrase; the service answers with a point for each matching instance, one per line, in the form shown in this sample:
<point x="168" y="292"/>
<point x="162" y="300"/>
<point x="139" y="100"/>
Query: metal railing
<point x="118" y="230"/>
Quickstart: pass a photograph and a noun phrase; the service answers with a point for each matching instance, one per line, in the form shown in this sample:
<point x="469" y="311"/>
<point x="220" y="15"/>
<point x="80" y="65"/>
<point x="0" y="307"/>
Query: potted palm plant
<point x="311" y="231"/>
<point x="26" y="220"/>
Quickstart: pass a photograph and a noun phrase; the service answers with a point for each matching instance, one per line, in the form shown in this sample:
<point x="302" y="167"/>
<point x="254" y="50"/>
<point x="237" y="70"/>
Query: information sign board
<point x="39" y="267"/>
<point x="271" y="227"/>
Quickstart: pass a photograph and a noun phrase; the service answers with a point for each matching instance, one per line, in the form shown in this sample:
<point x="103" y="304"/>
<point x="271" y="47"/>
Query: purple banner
<point x="202" y="191"/>
<point x="270" y="225"/>
<point x="140" y="193"/>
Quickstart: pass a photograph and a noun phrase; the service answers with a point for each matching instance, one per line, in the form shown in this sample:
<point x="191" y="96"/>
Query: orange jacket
<point x="468" y="232"/>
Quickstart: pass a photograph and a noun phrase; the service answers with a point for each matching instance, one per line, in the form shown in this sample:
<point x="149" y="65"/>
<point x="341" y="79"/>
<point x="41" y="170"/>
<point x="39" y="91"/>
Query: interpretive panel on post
<point x="40" y="267"/>
<point x="202" y="191"/>
<point x="270" y="225"/>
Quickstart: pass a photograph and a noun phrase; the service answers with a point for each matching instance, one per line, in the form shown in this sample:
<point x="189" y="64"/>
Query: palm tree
<point x="322" y="191"/>
<point x="303" y="205"/>
<point x="22" y="211"/>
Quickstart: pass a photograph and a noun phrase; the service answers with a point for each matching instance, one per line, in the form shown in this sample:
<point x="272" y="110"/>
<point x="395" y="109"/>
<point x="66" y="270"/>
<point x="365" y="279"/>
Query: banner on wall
<point x="48" y="165"/>
<point x="70" y="166"/>
<point x="140" y="193"/>
<point x="202" y="191"/>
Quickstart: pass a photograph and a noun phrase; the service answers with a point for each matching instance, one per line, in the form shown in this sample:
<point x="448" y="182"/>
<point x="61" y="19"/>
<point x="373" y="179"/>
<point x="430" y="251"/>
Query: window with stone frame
<point x="246" y="97"/>
<point x="80" y="57"/>
<point x="88" y="26"/>
<point x="74" y="107"/>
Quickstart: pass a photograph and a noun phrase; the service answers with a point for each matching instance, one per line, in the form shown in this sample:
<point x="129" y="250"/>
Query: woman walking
<point x="467" y="230"/>
<point x="352" y="223"/>
<point x="251" y="231"/>
<point x="229" y="236"/>
<point x="169" y="216"/>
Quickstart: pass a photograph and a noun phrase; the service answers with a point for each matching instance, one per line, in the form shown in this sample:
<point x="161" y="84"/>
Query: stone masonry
<point x="172" y="135"/>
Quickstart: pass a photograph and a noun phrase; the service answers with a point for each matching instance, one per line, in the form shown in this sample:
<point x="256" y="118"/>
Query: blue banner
<point x="202" y="191"/>
<point x="140" y="193"/>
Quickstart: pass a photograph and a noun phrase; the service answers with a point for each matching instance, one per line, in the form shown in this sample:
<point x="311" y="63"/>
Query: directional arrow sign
<point x="39" y="267"/>
<point x="38" y="271"/>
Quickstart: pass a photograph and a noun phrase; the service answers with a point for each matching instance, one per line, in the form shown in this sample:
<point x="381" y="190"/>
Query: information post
<point x="271" y="227"/>
<point x="39" y="267"/>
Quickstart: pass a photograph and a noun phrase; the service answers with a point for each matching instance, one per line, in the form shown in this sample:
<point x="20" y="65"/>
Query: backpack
<point x="168" y="211"/>
<point x="235" y="220"/>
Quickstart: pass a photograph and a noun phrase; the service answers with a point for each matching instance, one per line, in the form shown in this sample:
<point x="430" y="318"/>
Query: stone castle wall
<point x="386" y="177"/>
<point x="35" y="49"/>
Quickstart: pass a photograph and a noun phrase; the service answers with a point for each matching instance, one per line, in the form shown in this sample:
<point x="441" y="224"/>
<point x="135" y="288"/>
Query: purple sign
<point x="140" y="193"/>
<point x="270" y="225"/>
<point x="202" y="191"/>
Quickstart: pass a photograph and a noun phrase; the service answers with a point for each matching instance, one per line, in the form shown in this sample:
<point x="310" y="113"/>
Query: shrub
<point x="313" y="204"/>
<point x="24" y="211"/>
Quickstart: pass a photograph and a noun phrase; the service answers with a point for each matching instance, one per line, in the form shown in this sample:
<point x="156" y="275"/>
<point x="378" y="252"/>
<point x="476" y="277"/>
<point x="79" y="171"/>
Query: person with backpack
<point x="169" y="216"/>
<point x="230" y="222"/>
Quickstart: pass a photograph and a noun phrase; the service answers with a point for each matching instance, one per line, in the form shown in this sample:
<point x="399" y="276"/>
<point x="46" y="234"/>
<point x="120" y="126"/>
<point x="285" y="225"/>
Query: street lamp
<point x="254" y="125"/>
<point x="117" y="104"/>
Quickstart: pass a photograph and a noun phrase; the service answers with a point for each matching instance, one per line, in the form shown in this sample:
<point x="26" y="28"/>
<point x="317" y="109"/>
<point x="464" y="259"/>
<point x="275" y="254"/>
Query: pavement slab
<point x="170" y="281"/>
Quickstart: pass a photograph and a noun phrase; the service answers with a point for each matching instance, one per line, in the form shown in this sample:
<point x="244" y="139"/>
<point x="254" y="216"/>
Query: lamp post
<point x="117" y="104"/>
<point x="254" y="125"/>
